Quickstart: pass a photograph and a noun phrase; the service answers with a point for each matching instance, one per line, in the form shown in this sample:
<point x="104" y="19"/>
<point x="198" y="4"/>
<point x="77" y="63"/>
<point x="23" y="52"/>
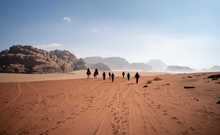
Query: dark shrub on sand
<point x="157" y="79"/>
<point x="214" y="77"/>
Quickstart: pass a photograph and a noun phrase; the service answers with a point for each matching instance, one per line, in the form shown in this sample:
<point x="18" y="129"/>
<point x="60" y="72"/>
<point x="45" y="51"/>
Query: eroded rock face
<point x="27" y="59"/>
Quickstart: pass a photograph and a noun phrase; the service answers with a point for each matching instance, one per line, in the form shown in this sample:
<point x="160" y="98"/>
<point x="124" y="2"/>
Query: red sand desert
<point x="96" y="107"/>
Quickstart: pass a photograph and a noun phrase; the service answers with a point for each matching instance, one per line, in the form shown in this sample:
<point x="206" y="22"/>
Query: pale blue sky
<point x="179" y="32"/>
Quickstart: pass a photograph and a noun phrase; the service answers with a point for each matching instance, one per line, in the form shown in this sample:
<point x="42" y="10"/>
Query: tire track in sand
<point x="19" y="93"/>
<point x="102" y="114"/>
<point x="87" y="102"/>
<point x="120" y="112"/>
<point x="153" y="116"/>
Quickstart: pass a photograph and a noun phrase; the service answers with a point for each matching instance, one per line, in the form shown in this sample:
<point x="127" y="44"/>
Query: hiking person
<point x="96" y="73"/>
<point x="123" y="74"/>
<point x="128" y="76"/>
<point x="137" y="76"/>
<point x="113" y="77"/>
<point x="103" y="75"/>
<point x="109" y="74"/>
<point x="88" y="73"/>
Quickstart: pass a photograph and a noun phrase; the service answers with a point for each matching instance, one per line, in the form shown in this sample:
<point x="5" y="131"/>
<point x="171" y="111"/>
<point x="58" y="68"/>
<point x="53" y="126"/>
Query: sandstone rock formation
<point x="27" y="59"/>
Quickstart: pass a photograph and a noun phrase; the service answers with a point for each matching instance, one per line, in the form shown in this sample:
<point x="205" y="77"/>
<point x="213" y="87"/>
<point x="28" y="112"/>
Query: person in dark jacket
<point x="96" y="73"/>
<point x="109" y="75"/>
<point x="123" y="74"/>
<point x="103" y="75"/>
<point x="113" y="77"/>
<point x="88" y="73"/>
<point x="137" y="76"/>
<point x="128" y="76"/>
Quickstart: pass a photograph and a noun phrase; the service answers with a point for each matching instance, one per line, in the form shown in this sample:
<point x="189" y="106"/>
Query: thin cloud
<point x="95" y="30"/>
<point x="67" y="19"/>
<point x="100" y="29"/>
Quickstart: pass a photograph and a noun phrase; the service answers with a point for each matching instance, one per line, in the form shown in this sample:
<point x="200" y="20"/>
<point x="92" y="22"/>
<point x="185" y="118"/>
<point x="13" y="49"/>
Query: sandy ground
<point x="12" y="77"/>
<point x="97" y="107"/>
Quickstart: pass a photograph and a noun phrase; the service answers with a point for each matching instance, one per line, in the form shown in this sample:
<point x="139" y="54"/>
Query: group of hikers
<point x="111" y="75"/>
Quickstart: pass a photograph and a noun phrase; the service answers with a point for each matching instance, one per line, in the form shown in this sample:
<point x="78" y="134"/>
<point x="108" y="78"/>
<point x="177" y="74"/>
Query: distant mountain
<point x="157" y="65"/>
<point x="27" y="59"/>
<point x="154" y="65"/>
<point x="140" y="66"/>
<point x="94" y="60"/>
<point x="214" y="69"/>
<point x="114" y="63"/>
<point x="179" y="69"/>
<point x="99" y="66"/>
<point x="118" y="63"/>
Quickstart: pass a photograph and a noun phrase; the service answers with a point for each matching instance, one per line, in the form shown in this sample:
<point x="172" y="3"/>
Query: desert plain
<point x="71" y="104"/>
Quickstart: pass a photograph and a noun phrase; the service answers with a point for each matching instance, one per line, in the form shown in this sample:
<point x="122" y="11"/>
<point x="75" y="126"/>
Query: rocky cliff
<point x="27" y="59"/>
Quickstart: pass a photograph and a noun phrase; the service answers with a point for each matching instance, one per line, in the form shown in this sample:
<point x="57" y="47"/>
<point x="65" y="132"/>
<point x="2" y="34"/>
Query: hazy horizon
<point x="177" y="32"/>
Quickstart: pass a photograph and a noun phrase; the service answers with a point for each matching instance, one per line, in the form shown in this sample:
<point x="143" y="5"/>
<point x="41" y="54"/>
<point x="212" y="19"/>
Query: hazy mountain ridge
<point x="214" y="68"/>
<point x="175" y="68"/>
<point x="27" y="59"/>
<point x="140" y="66"/>
<point x="99" y="66"/>
<point x="113" y="63"/>
<point x="153" y="65"/>
<point x="157" y="65"/>
<point x="118" y="63"/>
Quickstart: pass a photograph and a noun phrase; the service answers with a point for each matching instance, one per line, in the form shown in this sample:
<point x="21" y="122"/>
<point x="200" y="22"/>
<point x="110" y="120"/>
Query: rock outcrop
<point x="27" y="59"/>
<point x="214" y="77"/>
<point x="118" y="63"/>
<point x="99" y="66"/>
